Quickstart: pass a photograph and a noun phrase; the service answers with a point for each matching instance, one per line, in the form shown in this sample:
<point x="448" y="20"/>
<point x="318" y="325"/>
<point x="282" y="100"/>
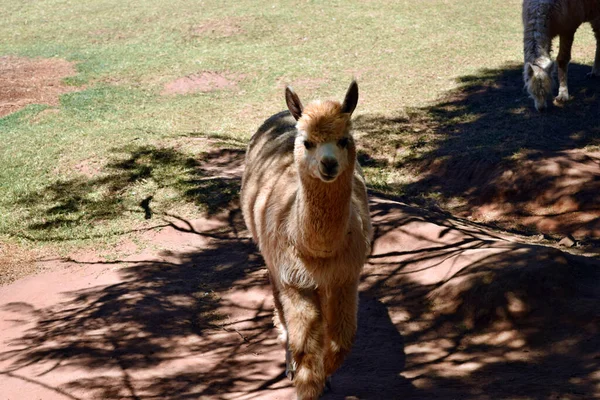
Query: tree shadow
<point x="483" y="151"/>
<point x="373" y="368"/>
<point x="448" y="310"/>
<point x="481" y="309"/>
<point x="163" y="315"/>
<point x="128" y="183"/>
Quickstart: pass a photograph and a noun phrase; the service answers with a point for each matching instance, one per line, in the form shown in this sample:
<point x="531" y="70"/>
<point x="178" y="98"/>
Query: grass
<point x="76" y="176"/>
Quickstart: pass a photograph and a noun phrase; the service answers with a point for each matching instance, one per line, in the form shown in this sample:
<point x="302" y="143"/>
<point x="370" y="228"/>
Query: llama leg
<point x="341" y="310"/>
<point x="596" y="67"/>
<point x="278" y="317"/>
<point x="305" y="340"/>
<point x="563" y="59"/>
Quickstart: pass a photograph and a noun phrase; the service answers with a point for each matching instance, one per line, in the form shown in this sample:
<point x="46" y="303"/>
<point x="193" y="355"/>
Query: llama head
<point x="324" y="146"/>
<point x="538" y="81"/>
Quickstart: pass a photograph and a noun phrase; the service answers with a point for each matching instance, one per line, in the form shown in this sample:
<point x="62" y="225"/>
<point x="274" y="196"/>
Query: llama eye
<point x="309" y="145"/>
<point x="343" y="142"/>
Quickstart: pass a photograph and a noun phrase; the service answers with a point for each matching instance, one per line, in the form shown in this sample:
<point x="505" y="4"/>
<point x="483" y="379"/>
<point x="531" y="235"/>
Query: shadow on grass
<point x="127" y="184"/>
<point x="487" y="152"/>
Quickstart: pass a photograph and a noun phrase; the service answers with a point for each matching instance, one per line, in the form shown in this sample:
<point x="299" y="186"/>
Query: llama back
<point x="269" y="173"/>
<point x="536" y="39"/>
<point x="567" y="15"/>
<point x="545" y="19"/>
<point x="360" y="201"/>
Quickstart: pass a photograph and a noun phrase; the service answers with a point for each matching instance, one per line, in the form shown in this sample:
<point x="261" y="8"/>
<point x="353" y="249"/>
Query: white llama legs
<point x="562" y="60"/>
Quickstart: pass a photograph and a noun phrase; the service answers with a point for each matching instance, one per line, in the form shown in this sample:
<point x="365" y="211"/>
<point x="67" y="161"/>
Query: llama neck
<point x="537" y="39"/>
<point x="322" y="214"/>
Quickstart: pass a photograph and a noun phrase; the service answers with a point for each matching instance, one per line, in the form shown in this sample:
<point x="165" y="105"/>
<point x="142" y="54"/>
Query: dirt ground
<point x="449" y="309"/>
<point x="25" y="81"/>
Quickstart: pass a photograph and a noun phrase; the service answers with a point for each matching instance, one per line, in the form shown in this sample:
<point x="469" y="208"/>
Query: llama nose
<point x="329" y="166"/>
<point x="541" y="106"/>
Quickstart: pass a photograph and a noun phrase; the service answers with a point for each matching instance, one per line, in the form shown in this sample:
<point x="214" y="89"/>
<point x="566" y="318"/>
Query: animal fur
<point x="314" y="233"/>
<point x="543" y="20"/>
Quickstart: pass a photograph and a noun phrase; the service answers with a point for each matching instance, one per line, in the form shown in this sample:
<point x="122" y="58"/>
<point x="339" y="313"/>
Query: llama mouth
<point x="327" y="178"/>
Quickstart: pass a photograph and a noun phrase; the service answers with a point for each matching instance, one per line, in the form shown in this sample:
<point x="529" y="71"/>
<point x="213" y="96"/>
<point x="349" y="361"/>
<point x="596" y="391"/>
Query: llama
<point x="304" y="201"/>
<point x="543" y="20"/>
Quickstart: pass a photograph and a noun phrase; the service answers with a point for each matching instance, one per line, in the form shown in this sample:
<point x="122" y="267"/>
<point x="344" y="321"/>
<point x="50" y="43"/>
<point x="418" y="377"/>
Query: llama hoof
<point x="290" y="365"/>
<point x="328" y="387"/>
<point x="561" y="98"/>
<point x="290" y="371"/>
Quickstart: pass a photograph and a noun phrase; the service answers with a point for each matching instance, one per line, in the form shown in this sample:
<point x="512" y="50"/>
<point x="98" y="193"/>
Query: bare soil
<point x="556" y="193"/>
<point x="16" y="263"/>
<point x="25" y="81"/>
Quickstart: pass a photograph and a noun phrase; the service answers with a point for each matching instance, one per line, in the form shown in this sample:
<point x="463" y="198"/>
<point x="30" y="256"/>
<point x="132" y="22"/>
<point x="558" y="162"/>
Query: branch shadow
<point x="483" y="151"/>
<point x="479" y="310"/>
<point x="448" y="310"/>
<point x="128" y="183"/>
<point x="165" y="315"/>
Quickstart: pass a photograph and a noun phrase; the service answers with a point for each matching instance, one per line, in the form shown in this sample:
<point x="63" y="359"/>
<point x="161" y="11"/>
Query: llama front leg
<point x="563" y="59"/>
<point x="596" y="67"/>
<point x="341" y="313"/>
<point x="305" y="340"/>
<point x="278" y="316"/>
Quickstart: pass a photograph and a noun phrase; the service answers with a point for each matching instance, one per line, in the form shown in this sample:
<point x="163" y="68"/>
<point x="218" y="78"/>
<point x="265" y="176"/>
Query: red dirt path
<point x="448" y="311"/>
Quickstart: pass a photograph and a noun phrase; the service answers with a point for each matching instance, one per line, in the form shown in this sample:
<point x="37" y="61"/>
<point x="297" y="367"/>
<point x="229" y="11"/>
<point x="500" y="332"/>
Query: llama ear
<point x="293" y="102"/>
<point x="529" y="67"/>
<point x="351" y="98"/>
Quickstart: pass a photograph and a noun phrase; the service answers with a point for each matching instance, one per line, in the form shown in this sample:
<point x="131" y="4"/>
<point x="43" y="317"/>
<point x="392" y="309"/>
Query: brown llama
<point x="543" y="20"/>
<point x="304" y="200"/>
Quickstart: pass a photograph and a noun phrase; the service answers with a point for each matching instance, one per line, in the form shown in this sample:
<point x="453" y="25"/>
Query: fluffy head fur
<point x="324" y="148"/>
<point x="538" y="82"/>
<point x="537" y="72"/>
<point x="323" y="121"/>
